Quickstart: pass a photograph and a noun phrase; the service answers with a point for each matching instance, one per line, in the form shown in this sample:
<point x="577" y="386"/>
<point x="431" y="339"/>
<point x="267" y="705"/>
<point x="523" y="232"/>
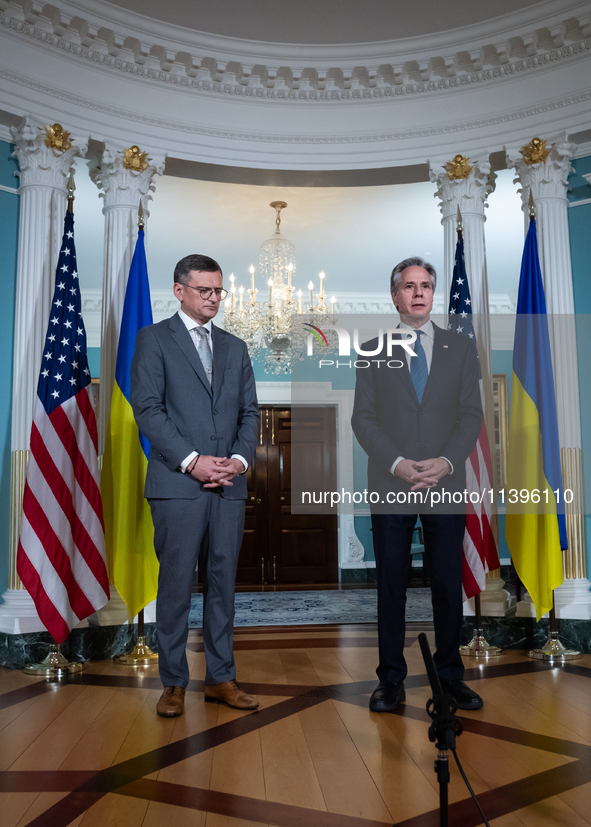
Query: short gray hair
<point x="414" y="261"/>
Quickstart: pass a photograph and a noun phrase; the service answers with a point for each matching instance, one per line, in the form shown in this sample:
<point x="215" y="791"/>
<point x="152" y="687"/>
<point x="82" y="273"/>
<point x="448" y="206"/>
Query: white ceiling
<point x="324" y="21"/>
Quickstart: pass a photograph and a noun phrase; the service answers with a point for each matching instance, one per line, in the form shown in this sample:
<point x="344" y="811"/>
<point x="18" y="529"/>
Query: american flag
<point x="61" y="552"/>
<point x="480" y="547"/>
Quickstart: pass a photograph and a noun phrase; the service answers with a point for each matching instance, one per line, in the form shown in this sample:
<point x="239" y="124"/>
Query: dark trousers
<point x="392" y="538"/>
<point x="209" y="530"/>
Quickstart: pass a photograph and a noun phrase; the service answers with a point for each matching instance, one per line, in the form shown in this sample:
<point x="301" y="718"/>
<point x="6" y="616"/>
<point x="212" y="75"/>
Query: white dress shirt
<point x="427" y="340"/>
<point x="191" y="324"/>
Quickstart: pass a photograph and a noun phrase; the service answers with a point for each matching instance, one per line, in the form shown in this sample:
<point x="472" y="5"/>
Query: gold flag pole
<point x="553" y="651"/>
<point x="55" y="665"/>
<point x="478" y="647"/>
<point x="141" y="654"/>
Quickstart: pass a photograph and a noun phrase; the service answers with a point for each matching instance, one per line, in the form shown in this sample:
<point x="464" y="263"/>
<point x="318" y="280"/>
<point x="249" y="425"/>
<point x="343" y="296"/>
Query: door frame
<point x="351" y="553"/>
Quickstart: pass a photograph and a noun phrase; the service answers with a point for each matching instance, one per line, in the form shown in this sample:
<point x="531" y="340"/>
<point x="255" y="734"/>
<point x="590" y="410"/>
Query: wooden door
<point x="280" y="547"/>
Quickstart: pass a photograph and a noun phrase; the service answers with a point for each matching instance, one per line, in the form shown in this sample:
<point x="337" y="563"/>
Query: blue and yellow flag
<point x="129" y="532"/>
<point x="535" y="526"/>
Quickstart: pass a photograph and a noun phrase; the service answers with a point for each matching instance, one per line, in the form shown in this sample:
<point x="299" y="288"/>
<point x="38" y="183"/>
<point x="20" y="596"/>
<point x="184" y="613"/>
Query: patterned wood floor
<point x="92" y="751"/>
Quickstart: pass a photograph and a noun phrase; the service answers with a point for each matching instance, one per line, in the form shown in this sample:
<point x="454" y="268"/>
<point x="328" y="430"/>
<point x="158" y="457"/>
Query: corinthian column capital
<point x="43" y="162"/>
<point x="122" y="186"/>
<point x="469" y="192"/>
<point x="547" y="178"/>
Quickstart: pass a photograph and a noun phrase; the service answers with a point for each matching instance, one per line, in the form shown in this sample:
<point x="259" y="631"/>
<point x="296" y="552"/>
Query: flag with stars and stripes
<point x="61" y="551"/>
<point x="480" y="547"/>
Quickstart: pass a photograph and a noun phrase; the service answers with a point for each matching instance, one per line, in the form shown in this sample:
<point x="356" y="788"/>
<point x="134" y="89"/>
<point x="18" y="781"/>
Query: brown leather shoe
<point x="228" y="693"/>
<point x="172" y="702"/>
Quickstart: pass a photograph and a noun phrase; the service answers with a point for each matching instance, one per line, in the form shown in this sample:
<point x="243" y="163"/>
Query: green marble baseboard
<point x="525" y="633"/>
<point x="361" y="576"/>
<point x="104" y="642"/>
<point x="92" y="643"/>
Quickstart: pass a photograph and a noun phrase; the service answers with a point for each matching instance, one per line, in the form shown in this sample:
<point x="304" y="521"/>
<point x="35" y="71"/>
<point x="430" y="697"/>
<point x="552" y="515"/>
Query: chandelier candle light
<point x="275" y="331"/>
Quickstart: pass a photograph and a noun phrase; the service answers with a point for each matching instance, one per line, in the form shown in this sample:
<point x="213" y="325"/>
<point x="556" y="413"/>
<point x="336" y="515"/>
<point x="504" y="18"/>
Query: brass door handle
<point x="258" y="500"/>
<point x="282" y="499"/>
<point x="252" y="499"/>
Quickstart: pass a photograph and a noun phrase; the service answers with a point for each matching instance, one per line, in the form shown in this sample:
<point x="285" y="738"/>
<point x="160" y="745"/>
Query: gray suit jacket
<point x="178" y="412"/>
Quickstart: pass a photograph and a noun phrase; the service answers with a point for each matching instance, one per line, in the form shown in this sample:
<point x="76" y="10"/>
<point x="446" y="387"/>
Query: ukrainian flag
<point x="129" y="532"/>
<point x="535" y="532"/>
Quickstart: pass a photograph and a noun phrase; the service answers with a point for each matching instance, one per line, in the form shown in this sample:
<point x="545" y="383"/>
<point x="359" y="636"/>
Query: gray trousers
<point x="208" y="531"/>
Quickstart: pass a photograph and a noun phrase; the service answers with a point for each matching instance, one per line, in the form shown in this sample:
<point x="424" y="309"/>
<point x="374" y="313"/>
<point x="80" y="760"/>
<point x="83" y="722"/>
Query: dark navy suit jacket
<point x="389" y="421"/>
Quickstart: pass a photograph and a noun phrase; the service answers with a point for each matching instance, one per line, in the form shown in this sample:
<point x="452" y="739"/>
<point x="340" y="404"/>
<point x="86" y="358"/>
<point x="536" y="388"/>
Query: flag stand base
<point x="140" y="655"/>
<point x="553" y="651"/>
<point x="54" y="665"/>
<point x="479" y="647"/>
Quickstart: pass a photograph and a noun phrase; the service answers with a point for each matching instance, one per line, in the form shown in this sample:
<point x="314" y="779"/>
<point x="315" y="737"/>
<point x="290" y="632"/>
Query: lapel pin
<point x="446" y="346"/>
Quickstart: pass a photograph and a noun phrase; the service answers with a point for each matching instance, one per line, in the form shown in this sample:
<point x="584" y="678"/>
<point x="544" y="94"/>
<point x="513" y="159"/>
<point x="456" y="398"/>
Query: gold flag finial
<point x="71" y="186"/>
<point x="57" y="138"/>
<point x="535" y="152"/>
<point x="531" y="205"/>
<point x="458" y="168"/>
<point x="459" y="225"/>
<point x="135" y="159"/>
<point x="140" y="217"/>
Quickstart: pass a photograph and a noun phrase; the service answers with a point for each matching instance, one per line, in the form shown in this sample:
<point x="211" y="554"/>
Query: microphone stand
<point x="444" y="729"/>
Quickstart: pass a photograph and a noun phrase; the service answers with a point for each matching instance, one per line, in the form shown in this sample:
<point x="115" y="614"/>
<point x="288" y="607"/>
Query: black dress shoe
<point x="386" y="696"/>
<point x="464" y="697"/>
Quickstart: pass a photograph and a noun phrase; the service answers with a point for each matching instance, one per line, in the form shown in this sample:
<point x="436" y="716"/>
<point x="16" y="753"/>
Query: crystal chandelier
<point x="277" y="330"/>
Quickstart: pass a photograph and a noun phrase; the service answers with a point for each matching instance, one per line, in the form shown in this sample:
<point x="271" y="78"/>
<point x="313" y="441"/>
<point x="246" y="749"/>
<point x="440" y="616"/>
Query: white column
<point x="121" y="190"/>
<point x="43" y="200"/>
<point x="470" y="195"/>
<point x="548" y="182"/>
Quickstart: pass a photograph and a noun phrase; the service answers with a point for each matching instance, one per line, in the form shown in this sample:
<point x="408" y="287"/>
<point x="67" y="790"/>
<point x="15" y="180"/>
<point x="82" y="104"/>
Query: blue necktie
<point x="418" y="367"/>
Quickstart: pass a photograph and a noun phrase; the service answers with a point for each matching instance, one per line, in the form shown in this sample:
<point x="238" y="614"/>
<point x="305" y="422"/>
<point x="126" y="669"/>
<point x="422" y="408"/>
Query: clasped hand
<point x="216" y="471"/>
<point x="424" y="473"/>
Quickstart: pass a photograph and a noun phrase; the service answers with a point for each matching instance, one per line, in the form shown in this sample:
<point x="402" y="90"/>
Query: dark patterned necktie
<point x="418" y="367"/>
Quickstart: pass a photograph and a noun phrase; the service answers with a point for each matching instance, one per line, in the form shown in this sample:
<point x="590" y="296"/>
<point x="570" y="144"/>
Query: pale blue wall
<point x="579" y="220"/>
<point x="580" y="231"/>
<point x="9" y="204"/>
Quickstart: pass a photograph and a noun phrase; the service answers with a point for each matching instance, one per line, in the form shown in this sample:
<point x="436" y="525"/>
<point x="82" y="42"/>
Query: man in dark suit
<point x="418" y="419"/>
<point x="194" y="397"/>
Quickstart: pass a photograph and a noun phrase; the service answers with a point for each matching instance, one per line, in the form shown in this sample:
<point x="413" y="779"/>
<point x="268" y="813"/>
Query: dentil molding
<point x="303" y="74"/>
<point x="459" y="127"/>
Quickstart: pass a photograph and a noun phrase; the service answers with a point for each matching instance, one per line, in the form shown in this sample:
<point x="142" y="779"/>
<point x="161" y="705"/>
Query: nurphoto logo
<point x="395" y="337"/>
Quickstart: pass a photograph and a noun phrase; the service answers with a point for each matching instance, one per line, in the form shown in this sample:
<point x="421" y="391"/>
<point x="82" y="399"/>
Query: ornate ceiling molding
<point x="305" y="140"/>
<point x="394" y="71"/>
<point x="557" y="16"/>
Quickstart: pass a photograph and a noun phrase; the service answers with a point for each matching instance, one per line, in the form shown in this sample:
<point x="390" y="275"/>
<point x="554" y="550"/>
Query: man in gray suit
<point x="194" y="398"/>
